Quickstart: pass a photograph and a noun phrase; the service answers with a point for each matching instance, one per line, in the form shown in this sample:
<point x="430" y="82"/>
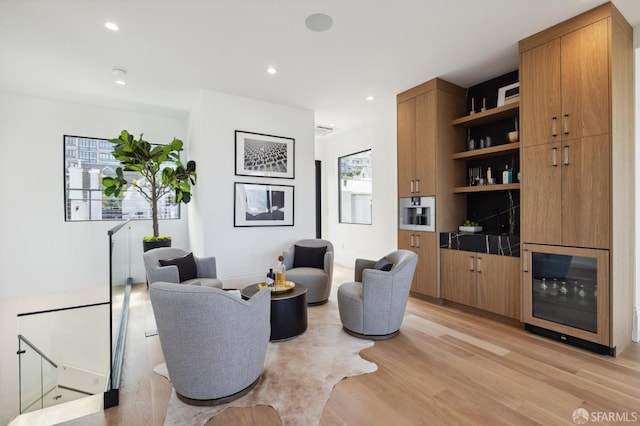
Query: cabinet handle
<point x="478" y="266"/>
<point x="525" y="261"/>
<point x="566" y="155"/>
<point x="565" y="124"/>
<point x="471" y="263"/>
<point x="411" y="244"/>
<point x="417" y="185"/>
<point x="554" y="127"/>
<point x="411" y="185"/>
<point x="554" y="157"/>
<point x="417" y="241"/>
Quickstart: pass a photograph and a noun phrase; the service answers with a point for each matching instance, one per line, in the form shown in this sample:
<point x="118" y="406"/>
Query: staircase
<point x="51" y="393"/>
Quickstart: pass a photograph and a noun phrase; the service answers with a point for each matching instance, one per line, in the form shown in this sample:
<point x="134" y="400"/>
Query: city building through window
<point x="355" y="192"/>
<point x="86" y="162"/>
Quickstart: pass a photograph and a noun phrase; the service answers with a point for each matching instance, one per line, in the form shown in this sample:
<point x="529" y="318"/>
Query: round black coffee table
<point x="288" y="311"/>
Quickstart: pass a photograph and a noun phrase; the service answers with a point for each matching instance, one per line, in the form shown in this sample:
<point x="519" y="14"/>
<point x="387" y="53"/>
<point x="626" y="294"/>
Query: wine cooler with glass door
<point x="566" y="295"/>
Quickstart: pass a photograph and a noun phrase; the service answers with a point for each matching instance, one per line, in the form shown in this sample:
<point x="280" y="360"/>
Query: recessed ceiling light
<point x="112" y="26"/>
<point x="370" y="98"/>
<point x="118" y="76"/>
<point x="272" y="70"/>
<point x="319" y="22"/>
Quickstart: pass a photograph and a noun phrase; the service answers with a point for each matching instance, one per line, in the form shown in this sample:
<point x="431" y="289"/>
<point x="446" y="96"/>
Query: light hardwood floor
<point x="445" y="367"/>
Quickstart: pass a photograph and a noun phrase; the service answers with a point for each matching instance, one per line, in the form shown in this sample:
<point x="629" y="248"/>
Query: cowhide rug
<point x="298" y="376"/>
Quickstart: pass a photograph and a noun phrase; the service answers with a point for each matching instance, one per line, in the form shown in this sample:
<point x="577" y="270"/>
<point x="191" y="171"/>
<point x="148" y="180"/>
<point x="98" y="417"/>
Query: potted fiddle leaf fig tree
<point x="160" y="172"/>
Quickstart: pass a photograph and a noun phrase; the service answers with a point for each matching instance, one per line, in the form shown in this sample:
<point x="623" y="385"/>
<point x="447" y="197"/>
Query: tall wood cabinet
<point x="565" y="104"/>
<point x="576" y="108"/>
<point x="425" y="168"/>
<point x="416" y="146"/>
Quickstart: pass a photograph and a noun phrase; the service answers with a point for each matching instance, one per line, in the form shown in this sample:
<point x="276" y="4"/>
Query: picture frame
<point x="261" y="204"/>
<point x="509" y="94"/>
<point x="262" y="155"/>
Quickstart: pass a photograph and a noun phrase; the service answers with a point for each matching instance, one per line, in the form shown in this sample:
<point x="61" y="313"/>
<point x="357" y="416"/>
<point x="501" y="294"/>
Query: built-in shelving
<point x="489" y="116"/>
<point x="492" y="151"/>
<point x="486" y="188"/>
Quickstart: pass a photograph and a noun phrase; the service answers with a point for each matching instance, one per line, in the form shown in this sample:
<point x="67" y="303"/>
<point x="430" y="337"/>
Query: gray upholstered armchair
<point x="214" y="343"/>
<point x="174" y="265"/>
<point x="373" y="306"/>
<point x="310" y="263"/>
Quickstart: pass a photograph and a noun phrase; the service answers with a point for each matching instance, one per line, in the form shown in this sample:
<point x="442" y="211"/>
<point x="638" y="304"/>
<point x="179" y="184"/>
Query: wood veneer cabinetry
<point x="567" y="193"/>
<point x="424" y="244"/>
<point x="565" y="85"/>
<point x="416" y="147"/>
<point x="485" y="281"/>
<point x="566" y="108"/>
<point x="425" y="168"/>
<point x="577" y="157"/>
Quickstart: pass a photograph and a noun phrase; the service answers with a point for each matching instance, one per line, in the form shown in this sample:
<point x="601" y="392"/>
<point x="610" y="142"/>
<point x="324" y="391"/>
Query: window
<point x="86" y="161"/>
<point x="355" y="191"/>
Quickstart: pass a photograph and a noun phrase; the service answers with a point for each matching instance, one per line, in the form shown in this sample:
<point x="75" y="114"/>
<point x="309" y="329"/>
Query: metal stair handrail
<point x="38" y="351"/>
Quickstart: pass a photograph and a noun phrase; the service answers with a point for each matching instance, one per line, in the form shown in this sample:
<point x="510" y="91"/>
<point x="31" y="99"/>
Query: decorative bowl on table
<point x="470" y="229"/>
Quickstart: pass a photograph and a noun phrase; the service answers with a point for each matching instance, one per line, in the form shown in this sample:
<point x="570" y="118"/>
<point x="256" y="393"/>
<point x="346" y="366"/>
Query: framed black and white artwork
<point x="264" y="155"/>
<point x="258" y="204"/>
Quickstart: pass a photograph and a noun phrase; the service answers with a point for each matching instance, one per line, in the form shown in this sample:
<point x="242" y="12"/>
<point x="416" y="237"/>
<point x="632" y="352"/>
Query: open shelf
<point x="485" y="188"/>
<point x="488" y="116"/>
<point x="492" y="151"/>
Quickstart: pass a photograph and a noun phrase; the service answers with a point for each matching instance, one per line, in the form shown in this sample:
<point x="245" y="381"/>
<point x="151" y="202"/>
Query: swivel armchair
<point x="214" y="343"/>
<point x="175" y="265"/>
<point x="310" y="262"/>
<point x="373" y="306"/>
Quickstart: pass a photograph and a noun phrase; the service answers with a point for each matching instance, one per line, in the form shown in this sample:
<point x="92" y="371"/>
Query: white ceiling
<point x="172" y="48"/>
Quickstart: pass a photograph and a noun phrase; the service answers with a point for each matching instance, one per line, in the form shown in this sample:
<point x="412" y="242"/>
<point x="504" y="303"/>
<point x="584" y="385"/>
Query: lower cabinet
<point x="424" y="244"/>
<point x="485" y="281"/>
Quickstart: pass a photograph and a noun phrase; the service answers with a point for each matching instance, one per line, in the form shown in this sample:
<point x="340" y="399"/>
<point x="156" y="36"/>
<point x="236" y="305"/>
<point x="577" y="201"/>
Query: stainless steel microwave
<point x="417" y="213"/>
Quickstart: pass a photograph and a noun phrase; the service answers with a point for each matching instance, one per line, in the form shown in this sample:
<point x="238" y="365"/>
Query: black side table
<point x="288" y="311"/>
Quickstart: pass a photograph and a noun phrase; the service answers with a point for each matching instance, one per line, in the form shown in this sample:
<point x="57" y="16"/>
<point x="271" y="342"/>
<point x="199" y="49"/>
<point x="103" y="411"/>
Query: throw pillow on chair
<point x="186" y="266"/>
<point x="309" y="257"/>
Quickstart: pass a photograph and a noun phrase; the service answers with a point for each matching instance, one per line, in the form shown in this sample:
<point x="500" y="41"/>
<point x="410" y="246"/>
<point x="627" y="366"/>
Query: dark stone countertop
<point x="482" y="242"/>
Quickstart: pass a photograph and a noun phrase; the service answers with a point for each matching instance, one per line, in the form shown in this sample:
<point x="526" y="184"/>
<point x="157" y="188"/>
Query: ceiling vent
<point x="323" y="130"/>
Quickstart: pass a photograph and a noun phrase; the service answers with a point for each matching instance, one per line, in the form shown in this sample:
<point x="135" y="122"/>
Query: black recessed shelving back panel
<point x="489" y="90"/>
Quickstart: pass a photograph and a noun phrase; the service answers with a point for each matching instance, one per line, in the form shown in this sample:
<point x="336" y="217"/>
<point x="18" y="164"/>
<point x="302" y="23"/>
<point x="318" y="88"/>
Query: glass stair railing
<point x="38" y="377"/>
<point x="45" y="383"/>
<point x="75" y="353"/>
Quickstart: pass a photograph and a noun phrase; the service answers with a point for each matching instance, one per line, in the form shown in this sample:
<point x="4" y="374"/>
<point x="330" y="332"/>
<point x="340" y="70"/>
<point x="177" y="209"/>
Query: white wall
<point x="244" y="255"/>
<point x="636" y="309"/>
<point x="45" y="262"/>
<point x="362" y="241"/>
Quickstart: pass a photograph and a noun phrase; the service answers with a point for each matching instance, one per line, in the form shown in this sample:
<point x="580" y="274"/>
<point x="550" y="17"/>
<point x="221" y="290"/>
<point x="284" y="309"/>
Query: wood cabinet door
<point x="426" y="281"/>
<point x="458" y="276"/>
<point x="585" y="192"/>
<point x="585" y="81"/>
<point x="540" y="94"/>
<point x="498" y="284"/>
<point x="425" y="154"/>
<point x="424" y="244"/>
<point x="540" y="194"/>
<point x="406" y="241"/>
<point x="406" y="147"/>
